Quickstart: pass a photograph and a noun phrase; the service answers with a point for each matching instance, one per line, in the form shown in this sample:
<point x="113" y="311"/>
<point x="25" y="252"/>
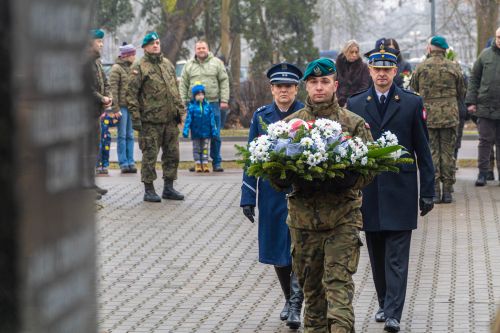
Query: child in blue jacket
<point x="201" y="121"/>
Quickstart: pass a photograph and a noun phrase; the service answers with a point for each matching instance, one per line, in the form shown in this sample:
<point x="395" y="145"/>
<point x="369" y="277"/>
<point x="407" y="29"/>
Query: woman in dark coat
<point x="352" y="73"/>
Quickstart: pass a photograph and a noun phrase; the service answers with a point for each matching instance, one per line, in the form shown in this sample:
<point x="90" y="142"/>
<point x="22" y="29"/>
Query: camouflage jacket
<point x="323" y="211"/>
<point x="99" y="84"/>
<point x="118" y="80"/>
<point x="441" y="84"/>
<point x="152" y="92"/>
<point x="211" y="73"/>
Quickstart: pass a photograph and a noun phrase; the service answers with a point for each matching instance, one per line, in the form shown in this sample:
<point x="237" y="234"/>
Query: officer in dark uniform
<point x="390" y="201"/>
<point x="274" y="236"/>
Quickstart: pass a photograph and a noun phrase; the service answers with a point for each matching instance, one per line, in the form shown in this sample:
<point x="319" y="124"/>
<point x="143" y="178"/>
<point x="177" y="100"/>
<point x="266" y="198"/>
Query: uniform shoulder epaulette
<point x="260" y="108"/>
<point x="359" y="93"/>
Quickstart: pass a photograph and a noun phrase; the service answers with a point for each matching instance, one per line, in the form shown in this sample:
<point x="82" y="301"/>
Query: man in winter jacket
<point x="483" y="101"/>
<point x="209" y="71"/>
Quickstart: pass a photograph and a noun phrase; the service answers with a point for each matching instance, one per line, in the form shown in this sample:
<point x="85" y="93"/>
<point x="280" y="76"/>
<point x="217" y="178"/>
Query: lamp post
<point x="433" y="17"/>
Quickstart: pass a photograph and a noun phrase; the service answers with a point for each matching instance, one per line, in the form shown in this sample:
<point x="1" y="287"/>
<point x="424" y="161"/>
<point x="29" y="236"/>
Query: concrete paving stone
<point x="191" y="266"/>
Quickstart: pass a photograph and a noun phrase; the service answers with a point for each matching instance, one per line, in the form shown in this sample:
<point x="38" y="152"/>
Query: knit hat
<point x="96" y="34"/>
<point x="127" y="50"/>
<point x="197" y="88"/>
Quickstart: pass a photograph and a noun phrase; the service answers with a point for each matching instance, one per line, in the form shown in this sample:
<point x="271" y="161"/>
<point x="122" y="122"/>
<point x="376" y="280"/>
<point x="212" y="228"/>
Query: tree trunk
<point x="224" y="28"/>
<point x="236" y="64"/>
<point x="176" y="26"/>
<point x="486" y="17"/>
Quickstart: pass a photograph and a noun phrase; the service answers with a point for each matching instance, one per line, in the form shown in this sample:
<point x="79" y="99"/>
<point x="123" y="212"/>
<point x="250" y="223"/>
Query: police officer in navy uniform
<point x="273" y="234"/>
<point x="390" y="202"/>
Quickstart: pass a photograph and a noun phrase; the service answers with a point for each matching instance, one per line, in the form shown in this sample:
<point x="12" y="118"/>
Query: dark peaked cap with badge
<point x="284" y="73"/>
<point x="382" y="56"/>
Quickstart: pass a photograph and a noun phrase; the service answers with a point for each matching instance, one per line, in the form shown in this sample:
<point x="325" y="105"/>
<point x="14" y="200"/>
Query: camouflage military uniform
<point x="324" y="228"/>
<point x="440" y="82"/>
<point x="156" y="110"/>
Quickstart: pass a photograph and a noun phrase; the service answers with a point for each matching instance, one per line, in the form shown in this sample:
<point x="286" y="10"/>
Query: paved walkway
<point x="191" y="266"/>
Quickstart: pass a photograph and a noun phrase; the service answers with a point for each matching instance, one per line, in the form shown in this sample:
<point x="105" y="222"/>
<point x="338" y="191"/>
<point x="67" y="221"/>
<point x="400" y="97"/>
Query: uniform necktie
<point x="382" y="99"/>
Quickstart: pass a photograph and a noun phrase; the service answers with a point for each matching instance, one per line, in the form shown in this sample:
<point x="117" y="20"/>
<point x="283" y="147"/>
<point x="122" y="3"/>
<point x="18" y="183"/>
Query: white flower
<point x="306" y="142"/>
<point x="364" y="160"/>
<point x="278" y="129"/>
<point x="327" y="124"/>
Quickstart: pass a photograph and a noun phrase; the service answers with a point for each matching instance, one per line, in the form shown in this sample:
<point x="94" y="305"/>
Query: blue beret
<point x="149" y="38"/>
<point x="320" y="67"/>
<point x="439" y="41"/>
<point x="96" y="34"/>
<point x="198" y="88"/>
<point x="284" y="73"/>
<point x="382" y="56"/>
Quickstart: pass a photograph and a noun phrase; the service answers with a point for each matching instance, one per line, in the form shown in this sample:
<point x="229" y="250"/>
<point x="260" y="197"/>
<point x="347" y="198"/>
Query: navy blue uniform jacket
<point x="274" y="237"/>
<point x="390" y="202"/>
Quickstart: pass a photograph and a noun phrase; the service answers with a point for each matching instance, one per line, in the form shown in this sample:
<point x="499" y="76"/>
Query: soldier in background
<point x="325" y="218"/>
<point x="441" y="84"/>
<point x="156" y="111"/>
<point x="101" y="93"/>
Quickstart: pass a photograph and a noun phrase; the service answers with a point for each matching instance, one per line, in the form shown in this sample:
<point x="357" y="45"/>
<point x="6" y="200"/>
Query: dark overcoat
<point x="390" y="202"/>
<point x="274" y="237"/>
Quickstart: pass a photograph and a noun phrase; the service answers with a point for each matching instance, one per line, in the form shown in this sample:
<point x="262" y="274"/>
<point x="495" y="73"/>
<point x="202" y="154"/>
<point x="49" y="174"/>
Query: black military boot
<point x="447" y="190"/>
<point x="284" y="274"/>
<point x="490" y="175"/>
<point x="296" y="299"/>
<point x="150" y="194"/>
<point x="169" y="192"/>
<point x="481" y="178"/>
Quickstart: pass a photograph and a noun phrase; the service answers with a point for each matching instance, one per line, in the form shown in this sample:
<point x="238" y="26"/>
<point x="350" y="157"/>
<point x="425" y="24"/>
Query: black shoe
<point x="218" y="168"/>
<point x="100" y="190"/>
<point x="481" y="179"/>
<point x="98" y="196"/>
<point x="447" y="197"/>
<point x="132" y="169"/>
<point x="490" y="176"/>
<point x="192" y="169"/>
<point x="169" y="192"/>
<point x="150" y="193"/>
<point x="283" y="274"/>
<point x="391" y="325"/>
<point x="124" y="169"/>
<point x="296" y="299"/>
<point x="380" y="316"/>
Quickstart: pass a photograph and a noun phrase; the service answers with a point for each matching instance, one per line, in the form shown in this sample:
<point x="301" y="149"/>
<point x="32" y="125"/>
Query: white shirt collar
<point x="380" y="94"/>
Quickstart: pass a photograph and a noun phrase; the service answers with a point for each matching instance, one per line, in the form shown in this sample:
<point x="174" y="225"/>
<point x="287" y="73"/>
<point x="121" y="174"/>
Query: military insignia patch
<point x="424" y="114"/>
<point x="317" y="71"/>
<point x="284" y="67"/>
<point x="369" y="98"/>
<point x="397" y="98"/>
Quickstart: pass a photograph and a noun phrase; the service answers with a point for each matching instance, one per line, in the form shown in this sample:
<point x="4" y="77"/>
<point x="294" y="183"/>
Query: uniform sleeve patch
<point x="424" y="114"/>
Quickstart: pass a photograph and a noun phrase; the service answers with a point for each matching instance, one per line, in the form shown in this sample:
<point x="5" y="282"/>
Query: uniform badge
<point x="284" y="67"/>
<point x="369" y="98"/>
<point x="424" y="114"/>
<point x="367" y="126"/>
<point x="397" y="98"/>
<point x="317" y="71"/>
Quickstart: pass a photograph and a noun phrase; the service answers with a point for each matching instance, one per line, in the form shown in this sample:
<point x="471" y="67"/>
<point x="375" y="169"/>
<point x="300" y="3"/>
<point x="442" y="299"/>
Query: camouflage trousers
<point x="324" y="262"/>
<point x="153" y="137"/>
<point x="442" y="142"/>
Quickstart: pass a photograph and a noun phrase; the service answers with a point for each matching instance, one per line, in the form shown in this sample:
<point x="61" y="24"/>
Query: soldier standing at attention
<point x="156" y="110"/>
<point x="440" y="83"/>
<point x="325" y="218"/>
<point x="210" y="71"/>
<point x="390" y="202"/>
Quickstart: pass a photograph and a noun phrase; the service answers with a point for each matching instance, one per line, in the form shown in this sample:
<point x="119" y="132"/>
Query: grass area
<point x="224" y="133"/>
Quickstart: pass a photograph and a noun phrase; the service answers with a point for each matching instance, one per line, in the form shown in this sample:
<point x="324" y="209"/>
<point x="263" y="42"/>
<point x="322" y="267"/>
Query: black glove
<point x="426" y="205"/>
<point x="249" y="212"/>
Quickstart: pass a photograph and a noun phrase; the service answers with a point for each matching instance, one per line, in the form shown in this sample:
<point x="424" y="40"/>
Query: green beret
<point x="97" y="34"/>
<point x="439" y="41"/>
<point x="149" y="38"/>
<point x="320" y="67"/>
